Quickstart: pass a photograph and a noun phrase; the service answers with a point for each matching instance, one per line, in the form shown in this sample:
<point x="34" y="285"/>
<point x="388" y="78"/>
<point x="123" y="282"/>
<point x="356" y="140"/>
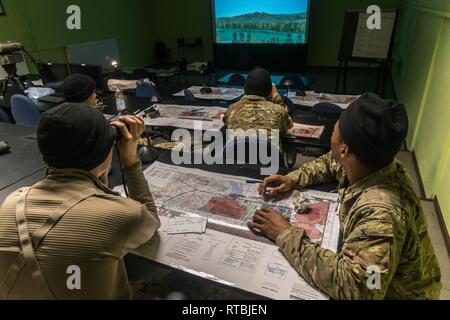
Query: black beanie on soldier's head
<point x="78" y="88"/>
<point x="374" y="129"/>
<point x="258" y="83"/>
<point x="75" y="136"/>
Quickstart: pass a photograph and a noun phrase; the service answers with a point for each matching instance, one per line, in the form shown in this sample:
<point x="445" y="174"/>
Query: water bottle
<point x="120" y="101"/>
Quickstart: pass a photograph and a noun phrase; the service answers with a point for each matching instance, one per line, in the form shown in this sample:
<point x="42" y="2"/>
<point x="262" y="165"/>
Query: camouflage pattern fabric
<point x="383" y="226"/>
<point x="254" y="112"/>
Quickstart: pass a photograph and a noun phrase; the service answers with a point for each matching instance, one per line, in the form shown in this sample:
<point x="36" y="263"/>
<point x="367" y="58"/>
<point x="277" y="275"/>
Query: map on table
<point x="187" y="117"/>
<point x="217" y="93"/>
<point x="306" y="131"/>
<point x="178" y="111"/>
<point x="229" y="202"/>
<point x="313" y="98"/>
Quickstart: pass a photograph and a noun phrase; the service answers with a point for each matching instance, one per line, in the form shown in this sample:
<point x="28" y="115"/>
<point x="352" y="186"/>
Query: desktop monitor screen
<point x="260" y="22"/>
<point x="94" y="71"/>
<point x="53" y="72"/>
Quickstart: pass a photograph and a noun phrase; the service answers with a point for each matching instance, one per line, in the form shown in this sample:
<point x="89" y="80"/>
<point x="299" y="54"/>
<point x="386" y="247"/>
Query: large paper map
<point x="187" y="117"/>
<point x="313" y="98"/>
<point x="217" y="93"/>
<point x="229" y="202"/>
<point x="228" y="252"/>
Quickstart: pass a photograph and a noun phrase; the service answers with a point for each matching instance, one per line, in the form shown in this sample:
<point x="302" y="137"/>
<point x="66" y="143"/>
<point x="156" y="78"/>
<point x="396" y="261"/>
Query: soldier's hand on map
<point x="275" y="185"/>
<point x="131" y="129"/>
<point x="268" y="222"/>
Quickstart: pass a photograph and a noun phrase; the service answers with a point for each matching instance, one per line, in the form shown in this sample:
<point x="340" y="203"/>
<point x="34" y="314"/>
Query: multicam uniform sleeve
<point x="324" y="169"/>
<point x="369" y="246"/>
<point x="229" y="113"/>
<point x="286" y="122"/>
<point x="277" y="99"/>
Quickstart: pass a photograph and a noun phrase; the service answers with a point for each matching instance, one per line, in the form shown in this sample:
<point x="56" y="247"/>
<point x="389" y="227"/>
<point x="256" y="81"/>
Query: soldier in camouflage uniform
<point x="254" y="111"/>
<point x="382" y="222"/>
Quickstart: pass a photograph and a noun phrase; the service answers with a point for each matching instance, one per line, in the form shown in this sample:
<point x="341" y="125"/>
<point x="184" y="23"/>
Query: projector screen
<point x="261" y="21"/>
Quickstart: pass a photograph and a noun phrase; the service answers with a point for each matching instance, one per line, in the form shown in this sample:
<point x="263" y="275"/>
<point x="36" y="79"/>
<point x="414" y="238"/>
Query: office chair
<point x="290" y="104"/>
<point x="4" y="117"/>
<point x="161" y="51"/>
<point x="141" y="74"/>
<point x="189" y="96"/>
<point x="236" y="80"/>
<point x="307" y="81"/>
<point x="293" y="83"/>
<point x="146" y="90"/>
<point x="251" y="145"/>
<point x="120" y="75"/>
<point x="25" y="111"/>
<point x="326" y="107"/>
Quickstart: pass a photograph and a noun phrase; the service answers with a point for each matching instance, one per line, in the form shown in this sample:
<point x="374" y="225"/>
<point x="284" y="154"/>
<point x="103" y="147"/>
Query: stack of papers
<point x="306" y="131"/>
<point x="313" y="98"/>
<point x="182" y="225"/>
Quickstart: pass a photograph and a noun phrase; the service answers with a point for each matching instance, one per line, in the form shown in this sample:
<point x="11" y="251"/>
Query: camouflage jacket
<point x="254" y="112"/>
<point x="383" y="226"/>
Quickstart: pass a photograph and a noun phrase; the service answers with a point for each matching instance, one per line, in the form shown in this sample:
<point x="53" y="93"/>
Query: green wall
<point x="173" y="19"/>
<point x="421" y="76"/>
<point x="41" y="26"/>
<point x="10" y="28"/>
<point x="137" y="24"/>
<point x="191" y="19"/>
<point x="326" y="22"/>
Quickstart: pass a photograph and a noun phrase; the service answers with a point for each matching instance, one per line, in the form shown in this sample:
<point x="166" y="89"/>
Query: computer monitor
<point x="52" y="72"/>
<point x="94" y="71"/>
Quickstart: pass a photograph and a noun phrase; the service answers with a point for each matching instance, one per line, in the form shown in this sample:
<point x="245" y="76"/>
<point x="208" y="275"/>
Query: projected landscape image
<point x="276" y="22"/>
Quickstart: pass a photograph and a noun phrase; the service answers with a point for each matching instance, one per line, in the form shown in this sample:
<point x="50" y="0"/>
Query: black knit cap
<point x="258" y="83"/>
<point x="75" y="136"/>
<point x="78" y="87"/>
<point x="374" y="129"/>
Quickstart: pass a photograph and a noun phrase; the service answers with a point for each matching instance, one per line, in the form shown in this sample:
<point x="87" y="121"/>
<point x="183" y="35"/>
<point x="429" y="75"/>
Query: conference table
<point x="24" y="167"/>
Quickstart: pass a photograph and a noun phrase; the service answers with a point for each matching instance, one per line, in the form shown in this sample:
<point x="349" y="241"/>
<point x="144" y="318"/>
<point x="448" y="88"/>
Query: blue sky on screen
<point x="231" y="8"/>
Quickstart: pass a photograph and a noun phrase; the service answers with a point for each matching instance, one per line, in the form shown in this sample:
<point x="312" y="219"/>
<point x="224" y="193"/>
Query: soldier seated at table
<point x="384" y="228"/>
<point x="66" y="236"/>
<point x="255" y="111"/>
<point x="80" y="88"/>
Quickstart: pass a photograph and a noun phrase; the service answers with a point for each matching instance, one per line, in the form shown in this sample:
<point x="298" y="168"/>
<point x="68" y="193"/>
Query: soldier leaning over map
<point x="254" y="111"/>
<point x="383" y="225"/>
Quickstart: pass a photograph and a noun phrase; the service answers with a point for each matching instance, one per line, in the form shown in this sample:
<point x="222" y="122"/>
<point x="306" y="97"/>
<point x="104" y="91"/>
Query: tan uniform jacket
<point x="94" y="235"/>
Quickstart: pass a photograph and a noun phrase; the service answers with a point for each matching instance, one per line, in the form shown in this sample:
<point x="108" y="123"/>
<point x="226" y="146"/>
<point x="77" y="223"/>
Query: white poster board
<point x="94" y="53"/>
<point x="375" y="43"/>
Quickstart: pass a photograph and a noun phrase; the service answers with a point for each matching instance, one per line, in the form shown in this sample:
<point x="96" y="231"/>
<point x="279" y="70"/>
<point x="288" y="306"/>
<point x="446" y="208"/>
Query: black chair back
<point x="236" y="80"/>
<point x="296" y="83"/>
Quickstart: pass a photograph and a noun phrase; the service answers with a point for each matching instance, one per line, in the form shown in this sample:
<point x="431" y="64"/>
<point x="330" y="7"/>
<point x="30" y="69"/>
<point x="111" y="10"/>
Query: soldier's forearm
<point x="138" y="186"/>
<point x="321" y="170"/>
<point x="334" y="274"/>
<point x="277" y="99"/>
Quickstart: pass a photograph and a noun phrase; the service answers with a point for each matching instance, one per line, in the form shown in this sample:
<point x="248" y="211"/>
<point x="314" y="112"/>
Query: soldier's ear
<point x="344" y="150"/>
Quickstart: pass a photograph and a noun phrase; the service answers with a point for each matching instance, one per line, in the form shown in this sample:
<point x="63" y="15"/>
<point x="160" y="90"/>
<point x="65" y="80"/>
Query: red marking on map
<point x="218" y="116"/>
<point x="314" y="219"/>
<point x="194" y="114"/>
<point x="226" y="207"/>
